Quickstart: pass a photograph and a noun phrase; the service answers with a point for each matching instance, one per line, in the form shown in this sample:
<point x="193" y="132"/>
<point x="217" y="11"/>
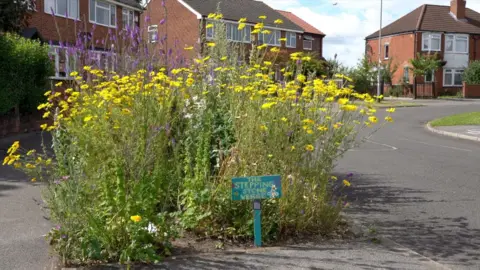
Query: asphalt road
<point x="420" y="189"/>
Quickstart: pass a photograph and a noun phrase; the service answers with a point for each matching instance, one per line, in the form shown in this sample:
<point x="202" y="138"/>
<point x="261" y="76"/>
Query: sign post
<point x="256" y="188"/>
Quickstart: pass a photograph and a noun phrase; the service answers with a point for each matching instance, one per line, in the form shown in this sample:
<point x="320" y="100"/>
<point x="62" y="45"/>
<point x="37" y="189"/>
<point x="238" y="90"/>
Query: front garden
<point x="146" y="153"/>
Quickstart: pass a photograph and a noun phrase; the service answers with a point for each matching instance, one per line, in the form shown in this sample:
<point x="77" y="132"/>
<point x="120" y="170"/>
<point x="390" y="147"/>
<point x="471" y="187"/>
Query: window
<point x="386" y="50"/>
<point x="128" y="18"/>
<point x="272" y="37"/>
<point x="210" y="32"/>
<point x="62" y="8"/>
<point x="153" y="33"/>
<point x="65" y="61"/>
<point x="103" y="13"/>
<point x="430" y="76"/>
<point x="291" y="40"/>
<point x="234" y="34"/>
<point x="307" y="42"/>
<point x="456" y="43"/>
<point x="431" y="42"/>
<point x="406" y="76"/>
<point x="453" y="77"/>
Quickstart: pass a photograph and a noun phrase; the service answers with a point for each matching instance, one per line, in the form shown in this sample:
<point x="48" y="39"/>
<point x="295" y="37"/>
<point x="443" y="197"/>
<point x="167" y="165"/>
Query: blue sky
<point x="347" y="23"/>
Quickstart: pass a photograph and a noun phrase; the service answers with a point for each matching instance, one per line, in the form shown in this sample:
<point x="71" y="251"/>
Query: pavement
<point x="419" y="189"/>
<point x="462" y="132"/>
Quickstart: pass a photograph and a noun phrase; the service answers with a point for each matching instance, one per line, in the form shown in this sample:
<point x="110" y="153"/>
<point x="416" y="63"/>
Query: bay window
<point x="431" y="42"/>
<point x="291" y="39"/>
<point x="271" y="37"/>
<point x="103" y="13"/>
<point x="128" y="19"/>
<point x="453" y="77"/>
<point x="234" y="34"/>
<point x="456" y="43"/>
<point x="63" y="8"/>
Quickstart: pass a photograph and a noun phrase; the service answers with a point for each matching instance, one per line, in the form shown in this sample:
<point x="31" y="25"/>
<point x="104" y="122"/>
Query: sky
<point x="346" y="23"/>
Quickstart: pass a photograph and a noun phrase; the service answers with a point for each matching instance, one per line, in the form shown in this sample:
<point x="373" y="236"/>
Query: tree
<point x="14" y="14"/>
<point x="363" y="75"/>
<point x="388" y="71"/>
<point x="424" y="63"/>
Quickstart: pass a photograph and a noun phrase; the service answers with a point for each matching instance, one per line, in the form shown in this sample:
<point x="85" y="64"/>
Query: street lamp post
<point x="380" y="52"/>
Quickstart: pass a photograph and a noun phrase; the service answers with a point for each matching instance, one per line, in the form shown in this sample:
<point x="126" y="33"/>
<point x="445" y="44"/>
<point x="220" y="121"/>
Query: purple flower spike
<point x="350" y="175"/>
<point x="163" y="3"/>
<point x="162" y="21"/>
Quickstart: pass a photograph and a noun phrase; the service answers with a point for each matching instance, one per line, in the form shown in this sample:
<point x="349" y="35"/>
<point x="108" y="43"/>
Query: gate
<point x="425" y="90"/>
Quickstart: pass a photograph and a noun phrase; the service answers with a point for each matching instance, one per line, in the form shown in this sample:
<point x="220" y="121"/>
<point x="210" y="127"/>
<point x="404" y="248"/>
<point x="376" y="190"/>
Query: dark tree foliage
<point x="14" y="14"/>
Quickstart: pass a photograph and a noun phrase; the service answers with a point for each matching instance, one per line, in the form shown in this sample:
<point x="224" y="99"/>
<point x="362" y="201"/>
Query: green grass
<point x="463" y="119"/>
<point x="393" y="103"/>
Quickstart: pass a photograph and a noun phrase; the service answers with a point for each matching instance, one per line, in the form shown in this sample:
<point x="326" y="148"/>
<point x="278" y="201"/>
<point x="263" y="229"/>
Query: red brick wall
<point x="181" y="26"/>
<point x="401" y="50"/>
<point x="471" y="91"/>
<point x="68" y="28"/>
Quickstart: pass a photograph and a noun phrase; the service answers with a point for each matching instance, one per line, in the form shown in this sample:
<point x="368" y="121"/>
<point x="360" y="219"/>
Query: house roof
<point x="131" y="3"/>
<point x="308" y="28"/>
<point x="433" y="18"/>
<point x="236" y="9"/>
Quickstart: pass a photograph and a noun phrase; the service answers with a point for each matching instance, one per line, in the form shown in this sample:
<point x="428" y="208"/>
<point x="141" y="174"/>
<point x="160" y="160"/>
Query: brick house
<point x="312" y="37"/>
<point x="452" y="32"/>
<point x="184" y="23"/>
<point x="60" y="22"/>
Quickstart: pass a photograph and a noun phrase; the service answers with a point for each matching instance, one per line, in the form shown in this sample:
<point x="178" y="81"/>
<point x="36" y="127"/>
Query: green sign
<point x="256" y="187"/>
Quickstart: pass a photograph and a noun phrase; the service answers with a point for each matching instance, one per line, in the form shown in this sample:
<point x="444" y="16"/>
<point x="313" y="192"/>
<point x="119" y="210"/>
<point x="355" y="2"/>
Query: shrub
<point x="143" y="156"/>
<point x="24" y="79"/>
<point x="472" y="73"/>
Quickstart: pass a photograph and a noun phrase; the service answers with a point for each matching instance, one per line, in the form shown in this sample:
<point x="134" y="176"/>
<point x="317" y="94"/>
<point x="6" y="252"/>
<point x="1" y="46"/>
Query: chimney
<point x="457" y="8"/>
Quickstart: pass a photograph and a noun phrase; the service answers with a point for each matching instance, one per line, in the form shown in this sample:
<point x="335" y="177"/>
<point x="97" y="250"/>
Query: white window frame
<point x="54" y="52"/>
<point x="234" y="25"/>
<point x="386" y="53"/>
<point x="452" y="72"/>
<point x="129" y="14"/>
<point x="109" y="13"/>
<point x="432" y="79"/>
<point x="152" y="31"/>
<point x="454" y="38"/>
<point x="50" y="5"/>
<point x="276" y="34"/>
<point x="291" y="39"/>
<point x="427" y="38"/>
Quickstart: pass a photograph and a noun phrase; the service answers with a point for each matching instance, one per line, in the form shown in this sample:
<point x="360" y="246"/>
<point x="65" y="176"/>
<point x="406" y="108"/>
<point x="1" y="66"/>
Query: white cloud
<point x="347" y="23"/>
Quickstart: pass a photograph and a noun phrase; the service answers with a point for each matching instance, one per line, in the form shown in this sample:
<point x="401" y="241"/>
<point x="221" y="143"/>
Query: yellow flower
<point x="34" y="179"/>
<point x="329" y="99"/>
<point x="136" y="218"/>
<point x="362" y="111"/>
<point x="267" y="63"/>
<point x="190" y="81"/>
<point x="211" y="44"/>
<point x="309" y="148"/>
<point x="292" y="148"/>
<point x="46" y="114"/>
<point x="266" y="32"/>
<point x="188" y="48"/>
<point x="73" y="74"/>
<point x="47" y="93"/>
<point x="284" y="119"/>
<point x="343" y="101"/>
<point x="337" y="125"/>
<point x="211" y="15"/>
<point x="268" y="105"/>
<point x="13" y="148"/>
<point x="334" y="178"/>
<point x="258" y="26"/>
<point x="218" y="16"/>
<point x="391" y="110"/>
<point x="256" y="31"/>
<point x="270" y="156"/>
<point x="283" y="39"/>
<point x="242" y="20"/>
<point x="84" y="87"/>
<point x="48" y="161"/>
<point x="308" y="121"/>
<point x="241" y="26"/>
<point x="278" y="21"/>
<point x="87" y="118"/>
<point x="349" y="107"/>
<point x="389" y="119"/>
<point x="306" y="58"/>
<point x="31" y="152"/>
<point x="59" y="84"/>
<point x="210" y="25"/>
<point x="263" y="46"/>
<point x="262" y="17"/>
<point x="263" y="128"/>
<point x="30" y="166"/>
<point x="346" y="183"/>
<point x="309" y="131"/>
<point x="87" y="68"/>
<point x="301" y="78"/>
<point x="274" y="49"/>
<point x="373" y="119"/>
<point x="322" y="128"/>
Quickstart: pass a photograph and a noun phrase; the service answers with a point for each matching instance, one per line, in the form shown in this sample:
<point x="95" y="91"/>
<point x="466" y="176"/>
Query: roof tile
<point x="308" y="28"/>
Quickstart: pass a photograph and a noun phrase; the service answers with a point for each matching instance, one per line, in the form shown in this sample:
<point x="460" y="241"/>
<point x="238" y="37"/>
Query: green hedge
<point x="472" y="73"/>
<point x="24" y="70"/>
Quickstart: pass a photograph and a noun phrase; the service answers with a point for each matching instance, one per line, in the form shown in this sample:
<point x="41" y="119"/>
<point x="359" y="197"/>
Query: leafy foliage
<point x="424" y="63"/>
<point x="472" y="73"/>
<point x="13" y="15"/>
<point x="364" y="75"/>
<point x="23" y="80"/>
